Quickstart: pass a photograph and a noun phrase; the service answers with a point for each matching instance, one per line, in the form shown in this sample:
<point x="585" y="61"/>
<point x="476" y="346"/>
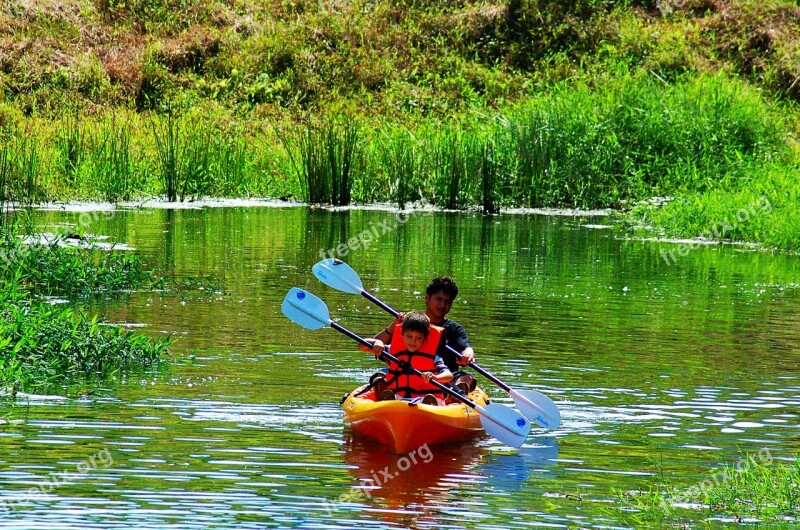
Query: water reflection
<point x="514" y="470"/>
<point x="687" y="364"/>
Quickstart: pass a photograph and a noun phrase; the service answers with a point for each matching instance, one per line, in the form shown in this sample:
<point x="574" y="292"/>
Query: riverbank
<point x="758" y="490"/>
<point x="707" y="140"/>
<point x="584" y="106"/>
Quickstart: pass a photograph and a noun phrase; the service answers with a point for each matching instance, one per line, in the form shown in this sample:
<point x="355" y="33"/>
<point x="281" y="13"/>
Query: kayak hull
<point x="404" y="427"/>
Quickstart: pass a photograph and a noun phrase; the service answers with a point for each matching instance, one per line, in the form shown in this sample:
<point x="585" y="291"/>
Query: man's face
<point x="413" y="340"/>
<point x="438" y="305"/>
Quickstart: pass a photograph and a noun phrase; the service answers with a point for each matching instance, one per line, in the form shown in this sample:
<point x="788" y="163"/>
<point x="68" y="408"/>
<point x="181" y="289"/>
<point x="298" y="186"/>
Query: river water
<point x="657" y="365"/>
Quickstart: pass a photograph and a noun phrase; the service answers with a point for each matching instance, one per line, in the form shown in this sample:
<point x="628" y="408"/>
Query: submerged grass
<point x="47" y="346"/>
<point x="758" y="491"/>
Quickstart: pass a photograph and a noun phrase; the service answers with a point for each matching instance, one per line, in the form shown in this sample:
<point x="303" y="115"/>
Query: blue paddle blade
<point x="537" y="407"/>
<point x="504" y="423"/>
<point x="339" y="275"/>
<point x="305" y="309"/>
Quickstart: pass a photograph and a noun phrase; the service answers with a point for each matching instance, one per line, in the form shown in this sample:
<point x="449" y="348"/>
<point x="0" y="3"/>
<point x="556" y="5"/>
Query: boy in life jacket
<point x="417" y="344"/>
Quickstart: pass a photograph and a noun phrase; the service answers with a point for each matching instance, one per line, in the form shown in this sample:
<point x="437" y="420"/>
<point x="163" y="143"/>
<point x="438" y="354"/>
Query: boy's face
<point x="413" y="340"/>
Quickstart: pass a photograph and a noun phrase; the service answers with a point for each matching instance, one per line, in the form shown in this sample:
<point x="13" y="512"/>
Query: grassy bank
<point x="462" y="105"/>
<point x="762" y="209"/>
<point x="755" y="489"/>
<point x="52" y="347"/>
<point x="572" y="145"/>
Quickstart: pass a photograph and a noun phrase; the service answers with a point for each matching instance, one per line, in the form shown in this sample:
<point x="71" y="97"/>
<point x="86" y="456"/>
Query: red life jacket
<point x="405" y="383"/>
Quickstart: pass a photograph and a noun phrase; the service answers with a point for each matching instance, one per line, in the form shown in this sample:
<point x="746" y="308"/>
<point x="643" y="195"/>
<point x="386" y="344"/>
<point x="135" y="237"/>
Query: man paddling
<point x="439" y="296"/>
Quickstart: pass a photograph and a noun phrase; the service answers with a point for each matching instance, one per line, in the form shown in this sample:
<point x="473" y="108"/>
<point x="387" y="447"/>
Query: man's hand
<point x="467" y="356"/>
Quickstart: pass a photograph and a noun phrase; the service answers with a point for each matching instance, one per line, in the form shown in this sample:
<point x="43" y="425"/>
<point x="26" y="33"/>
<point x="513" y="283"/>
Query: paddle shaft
<point x="394" y="359"/>
<point x="380" y="303"/>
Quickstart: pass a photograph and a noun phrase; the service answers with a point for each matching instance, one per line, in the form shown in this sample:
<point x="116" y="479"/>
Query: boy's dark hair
<point x="416" y="321"/>
<point x="443" y="283"/>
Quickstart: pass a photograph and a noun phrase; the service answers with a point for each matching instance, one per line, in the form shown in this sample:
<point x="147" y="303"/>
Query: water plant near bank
<point x="756" y="492"/>
<point x="57" y="348"/>
<point x="49" y="346"/>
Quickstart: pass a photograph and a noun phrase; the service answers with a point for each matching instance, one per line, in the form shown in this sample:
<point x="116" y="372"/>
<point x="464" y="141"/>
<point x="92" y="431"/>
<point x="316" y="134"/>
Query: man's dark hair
<point x="443" y="283"/>
<point x="416" y="321"/>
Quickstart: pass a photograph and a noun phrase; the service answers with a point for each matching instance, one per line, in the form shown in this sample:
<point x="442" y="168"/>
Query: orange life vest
<point x="403" y="382"/>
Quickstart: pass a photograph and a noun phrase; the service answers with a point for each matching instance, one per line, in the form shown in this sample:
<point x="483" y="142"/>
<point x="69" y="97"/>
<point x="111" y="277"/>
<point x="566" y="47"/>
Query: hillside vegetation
<point x="590" y="103"/>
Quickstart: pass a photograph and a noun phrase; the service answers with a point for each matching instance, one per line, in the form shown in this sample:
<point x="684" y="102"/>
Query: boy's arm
<point x="442" y="373"/>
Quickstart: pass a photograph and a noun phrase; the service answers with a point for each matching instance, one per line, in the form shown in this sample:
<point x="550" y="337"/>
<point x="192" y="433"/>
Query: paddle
<point x="534" y="405"/>
<point x="503" y="423"/>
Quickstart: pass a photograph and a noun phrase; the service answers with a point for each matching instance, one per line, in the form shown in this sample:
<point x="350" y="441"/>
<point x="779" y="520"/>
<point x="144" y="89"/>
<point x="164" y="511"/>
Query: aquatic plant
<point x="112" y="164"/>
<point x="53" y="347"/>
<point x="325" y="158"/>
<point x="71" y="142"/>
<point x="399" y="158"/>
<point x="184" y="144"/>
<point x="749" y="489"/>
<point x="45" y="345"/>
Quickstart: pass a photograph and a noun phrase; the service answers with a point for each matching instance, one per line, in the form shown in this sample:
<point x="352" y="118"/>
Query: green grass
<point x="752" y="489"/>
<point x="762" y="209"/>
<point x="55" y="347"/>
<point x="571" y="145"/>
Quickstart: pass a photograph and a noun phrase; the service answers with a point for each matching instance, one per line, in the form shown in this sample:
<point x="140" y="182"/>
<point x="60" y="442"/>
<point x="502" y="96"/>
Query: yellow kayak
<point x="404" y="426"/>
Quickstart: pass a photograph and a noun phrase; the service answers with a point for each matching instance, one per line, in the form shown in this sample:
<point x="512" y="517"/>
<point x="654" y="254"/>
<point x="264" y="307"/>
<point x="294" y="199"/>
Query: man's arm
<point x="385" y="335"/>
<point x="458" y="340"/>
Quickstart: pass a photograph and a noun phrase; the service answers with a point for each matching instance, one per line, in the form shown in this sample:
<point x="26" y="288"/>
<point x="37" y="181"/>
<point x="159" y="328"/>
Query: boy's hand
<point x="427" y="376"/>
<point x="377" y="347"/>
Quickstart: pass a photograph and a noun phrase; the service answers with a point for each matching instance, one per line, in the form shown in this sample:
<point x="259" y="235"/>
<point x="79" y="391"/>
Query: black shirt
<point x="456" y="337"/>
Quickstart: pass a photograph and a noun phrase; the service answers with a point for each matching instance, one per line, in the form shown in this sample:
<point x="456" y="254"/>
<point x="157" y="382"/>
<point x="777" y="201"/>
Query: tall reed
<point x="5" y="171"/>
<point x="400" y="160"/>
<point x="490" y="173"/>
<point x="113" y="167"/>
<point x="71" y="142"/>
<point x="167" y="129"/>
<point x="184" y="146"/>
<point x="446" y="165"/>
<point x="341" y="143"/>
<point x="325" y="159"/>
<point x="231" y="163"/>
<point x="25" y="167"/>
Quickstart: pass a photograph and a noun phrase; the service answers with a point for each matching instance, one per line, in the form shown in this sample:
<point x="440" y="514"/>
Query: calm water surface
<point x="679" y="367"/>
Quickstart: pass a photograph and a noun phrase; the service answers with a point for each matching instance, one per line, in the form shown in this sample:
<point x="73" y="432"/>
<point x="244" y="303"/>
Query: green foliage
<point x="762" y="208"/>
<point x="113" y="167"/>
<point x="326" y="158"/>
<point x="184" y="147"/>
<point x="400" y="159"/>
<point x="52" y="346"/>
<point x="748" y="490"/>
